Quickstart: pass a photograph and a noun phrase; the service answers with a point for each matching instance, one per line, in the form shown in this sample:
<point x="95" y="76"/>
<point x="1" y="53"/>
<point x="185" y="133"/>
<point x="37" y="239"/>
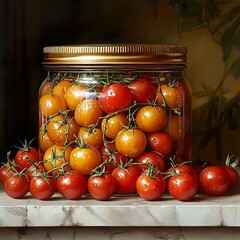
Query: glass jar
<point x="125" y="100"/>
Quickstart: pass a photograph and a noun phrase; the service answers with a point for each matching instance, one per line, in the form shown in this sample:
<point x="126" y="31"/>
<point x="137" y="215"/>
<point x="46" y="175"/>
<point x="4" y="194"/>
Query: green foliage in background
<point x="222" y="19"/>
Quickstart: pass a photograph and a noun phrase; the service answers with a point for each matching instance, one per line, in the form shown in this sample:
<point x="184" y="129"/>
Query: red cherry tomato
<point x="102" y="187"/>
<point x="151" y="158"/>
<point x="115" y="97"/>
<point x="34" y="170"/>
<point x="72" y="185"/>
<point x="110" y="154"/>
<point x="16" y="186"/>
<point x="126" y="179"/>
<point x="230" y="167"/>
<point x="173" y="157"/>
<point x="234" y="176"/>
<point x="42" y="187"/>
<point x="199" y="165"/>
<point x="150" y="188"/>
<point x="160" y="142"/>
<point x="26" y="154"/>
<point x="8" y="169"/>
<point x="184" y="169"/>
<point x="143" y="90"/>
<point x="183" y="186"/>
<point x="214" y="180"/>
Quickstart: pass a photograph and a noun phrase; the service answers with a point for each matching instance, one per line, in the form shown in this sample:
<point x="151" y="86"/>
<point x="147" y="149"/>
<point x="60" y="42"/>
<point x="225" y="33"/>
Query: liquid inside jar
<point x="115" y="116"/>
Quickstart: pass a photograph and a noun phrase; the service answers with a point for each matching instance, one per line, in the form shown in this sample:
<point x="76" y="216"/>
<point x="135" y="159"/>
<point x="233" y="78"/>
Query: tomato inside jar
<point x="134" y="98"/>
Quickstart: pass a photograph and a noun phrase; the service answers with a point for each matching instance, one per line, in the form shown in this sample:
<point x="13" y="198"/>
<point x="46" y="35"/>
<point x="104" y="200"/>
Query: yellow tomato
<point x="175" y="127"/>
<point x="151" y="118"/>
<point x="85" y="159"/>
<point x="61" y="88"/>
<point x="62" y="129"/>
<point x="44" y="141"/>
<point x="113" y="125"/>
<point x="75" y="94"/>
<point x="172" y="95"/>
<point x="50" y="104"/>
<point x="131" y="142"/>
<point x="93" y="137"/>
<point x="55" y="157"/>
<point x="88" y="112"/>
<point x="45" y="88"/>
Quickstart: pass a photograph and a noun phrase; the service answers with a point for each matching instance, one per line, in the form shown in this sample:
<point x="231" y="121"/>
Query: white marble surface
<point x="128" y="211"/>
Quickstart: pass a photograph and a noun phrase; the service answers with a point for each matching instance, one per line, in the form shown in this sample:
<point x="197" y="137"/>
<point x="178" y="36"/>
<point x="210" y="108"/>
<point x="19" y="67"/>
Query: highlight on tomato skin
<point x="160" y="142"/>
<point x="151" y="118"/>
<point x="26" y="154"/>
<point x="8" y="169"/>
<point x="143" y="90"/>
<point x="183" y="186"/>
<point x="115" y="97"/>
<point x="84" y="159"/>
<point x="72" y="185"/>
<point x="50" y="104"/>
<point x="131" y="142"/>
<point x="102" y="187"/>
<point x="111" y="126"/>
<point x="43" y="187"/>
<point x="126" y="179"/>
<point x="151" y="188"/>
<point x="153" y="158"/>
<point x="16" y="185"/>
<point x="214" y="180"/>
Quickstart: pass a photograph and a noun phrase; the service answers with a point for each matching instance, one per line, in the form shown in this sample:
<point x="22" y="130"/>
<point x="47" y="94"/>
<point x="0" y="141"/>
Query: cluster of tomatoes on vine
<point x="182" y="181"/>
<point x="108" y="138"/>
<point x="113" y="118"/>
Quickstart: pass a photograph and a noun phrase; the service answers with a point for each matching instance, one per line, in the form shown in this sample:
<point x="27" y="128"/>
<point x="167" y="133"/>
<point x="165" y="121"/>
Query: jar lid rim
<point x="115" y="54"/>
<point x="116" y="48"/>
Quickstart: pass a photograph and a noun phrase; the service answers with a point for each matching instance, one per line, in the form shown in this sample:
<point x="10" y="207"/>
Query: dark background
<point x="27" y="26"/>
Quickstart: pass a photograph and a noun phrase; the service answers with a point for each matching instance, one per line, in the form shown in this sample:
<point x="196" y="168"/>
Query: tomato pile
<point x="106" y="133"/>
<point x="143" y="177"/>
<point x="86" y="118"/>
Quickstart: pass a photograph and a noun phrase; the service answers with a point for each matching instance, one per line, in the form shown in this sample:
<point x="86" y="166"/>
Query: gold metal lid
<point x="116" y="54"/>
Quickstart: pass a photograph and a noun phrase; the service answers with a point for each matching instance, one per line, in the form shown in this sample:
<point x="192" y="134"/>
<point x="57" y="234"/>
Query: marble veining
<point x="121" y="211"/>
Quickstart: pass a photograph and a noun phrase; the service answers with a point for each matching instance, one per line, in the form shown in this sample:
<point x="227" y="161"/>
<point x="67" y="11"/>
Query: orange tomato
<point x="131" y="142"/>
<point x="75" y="94"/>
<point x="113" y="125"/>
<point x="61" y="129"/>
<point x="178" y="130"/>
<point x="88" y="112"/>
<point x="55" y="157"/>
<point x="50" y="104"/>
<point x="85" y="159"/>
<point x="93" y="137"/>
<point x="44" y="141"/>
<point x="45" y="88"/>
<point x="175" y="127"/>
<point x="62" y="87"/>
<point x="151" y="118"/>
<point x="172" y="96"/>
